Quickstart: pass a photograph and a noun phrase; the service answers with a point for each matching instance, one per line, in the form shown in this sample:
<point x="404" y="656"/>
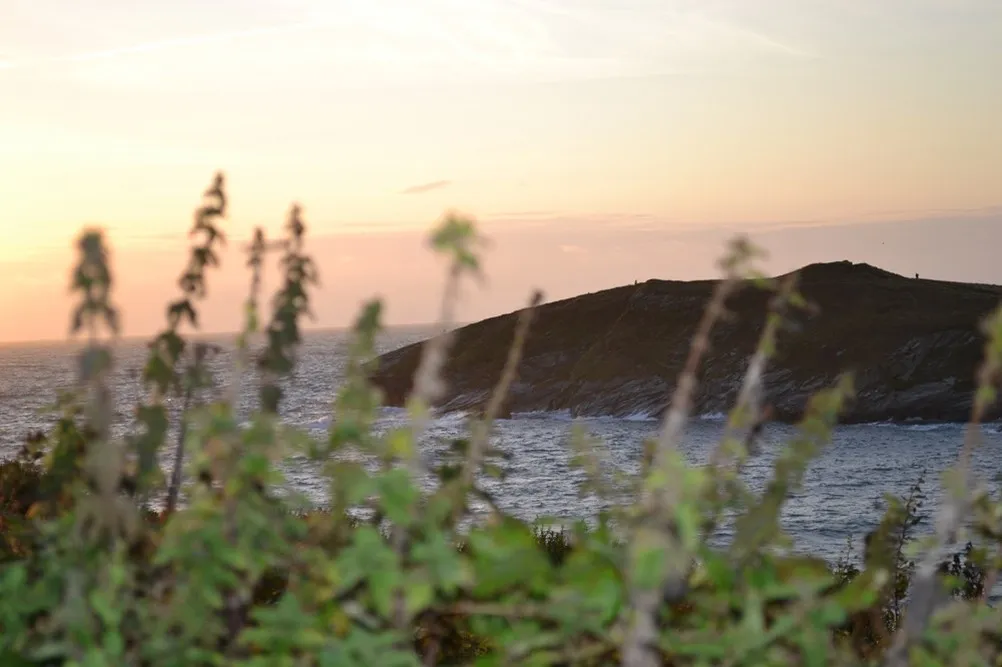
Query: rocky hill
<point x="913" y="345"/>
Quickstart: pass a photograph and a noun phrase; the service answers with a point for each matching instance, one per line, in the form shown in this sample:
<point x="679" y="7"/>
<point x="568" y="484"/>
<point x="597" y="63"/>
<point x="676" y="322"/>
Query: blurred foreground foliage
<point x="106" y="559"/>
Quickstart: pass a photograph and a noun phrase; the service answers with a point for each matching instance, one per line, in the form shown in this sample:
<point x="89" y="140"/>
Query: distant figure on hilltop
<point x="916" y="276"/>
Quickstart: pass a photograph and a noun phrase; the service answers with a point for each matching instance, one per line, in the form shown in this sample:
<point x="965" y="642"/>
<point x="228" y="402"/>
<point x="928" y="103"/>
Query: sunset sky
<point x="599" y="142"/>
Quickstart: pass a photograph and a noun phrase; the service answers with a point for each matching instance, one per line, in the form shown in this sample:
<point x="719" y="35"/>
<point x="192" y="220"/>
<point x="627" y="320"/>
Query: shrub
<point x="232" y="572"/>
<point x="20" y="484"/>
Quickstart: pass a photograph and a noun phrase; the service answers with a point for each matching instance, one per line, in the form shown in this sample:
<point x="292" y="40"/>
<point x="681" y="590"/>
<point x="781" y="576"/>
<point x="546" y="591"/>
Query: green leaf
<point x="443" y="564"/>
<point x="506" y="556"/>
<point x="419" y="593"/>
<point x="370" y="560"/>
<point x="398" y="495"/>
<point x="351" y="483"/>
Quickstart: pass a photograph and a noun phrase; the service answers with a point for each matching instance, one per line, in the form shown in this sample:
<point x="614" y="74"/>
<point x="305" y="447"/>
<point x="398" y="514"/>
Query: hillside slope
<point x="913" y="345"/>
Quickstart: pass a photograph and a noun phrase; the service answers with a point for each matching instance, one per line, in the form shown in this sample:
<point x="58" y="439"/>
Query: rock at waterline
<point x="912" y="344"/>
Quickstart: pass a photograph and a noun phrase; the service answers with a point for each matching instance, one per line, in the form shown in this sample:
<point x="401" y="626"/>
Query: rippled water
<point x="841" y="495"/>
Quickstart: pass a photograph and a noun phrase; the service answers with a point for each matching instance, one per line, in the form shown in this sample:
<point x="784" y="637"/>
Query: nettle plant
<point x="236" y="569"/>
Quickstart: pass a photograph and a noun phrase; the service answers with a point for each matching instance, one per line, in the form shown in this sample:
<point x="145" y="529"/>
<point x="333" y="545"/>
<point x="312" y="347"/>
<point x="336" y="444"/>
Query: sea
<point x="842" y="497"/>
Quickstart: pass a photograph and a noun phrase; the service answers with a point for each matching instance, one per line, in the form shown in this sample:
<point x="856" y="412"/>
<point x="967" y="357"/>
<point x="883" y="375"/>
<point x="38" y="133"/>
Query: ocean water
<point x="842" y="495"/>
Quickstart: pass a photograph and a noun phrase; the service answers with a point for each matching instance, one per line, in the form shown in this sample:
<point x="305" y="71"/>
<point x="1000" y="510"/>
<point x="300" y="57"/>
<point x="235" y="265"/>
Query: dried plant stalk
<point x="482" y="428"/>
<point x="928" y="595"/>
<point x="747" y="417"/>
<point x="656" y="529"/>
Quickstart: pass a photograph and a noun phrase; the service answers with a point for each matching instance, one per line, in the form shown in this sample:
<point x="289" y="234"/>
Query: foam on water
<point x="640" y="417"/>
<point x="554" y="415"/>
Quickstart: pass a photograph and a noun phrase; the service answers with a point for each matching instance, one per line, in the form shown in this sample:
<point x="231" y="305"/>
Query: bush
<point x="20" y="484"/>
<point x="231" y="572"/>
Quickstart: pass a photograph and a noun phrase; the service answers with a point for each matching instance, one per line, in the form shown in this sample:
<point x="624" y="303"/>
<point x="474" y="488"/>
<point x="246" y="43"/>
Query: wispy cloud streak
<point x="426" y="187"/>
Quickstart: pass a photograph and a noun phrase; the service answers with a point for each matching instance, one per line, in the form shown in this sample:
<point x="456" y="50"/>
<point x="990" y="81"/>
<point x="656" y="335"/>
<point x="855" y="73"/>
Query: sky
<point x="595" y="142"/>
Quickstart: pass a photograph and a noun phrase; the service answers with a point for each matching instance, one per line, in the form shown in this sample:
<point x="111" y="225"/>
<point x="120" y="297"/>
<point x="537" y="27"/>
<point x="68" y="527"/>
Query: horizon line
<point x="134" y="338"/>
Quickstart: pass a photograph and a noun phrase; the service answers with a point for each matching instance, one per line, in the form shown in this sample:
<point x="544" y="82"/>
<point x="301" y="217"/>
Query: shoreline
<point x="708" y="417"/>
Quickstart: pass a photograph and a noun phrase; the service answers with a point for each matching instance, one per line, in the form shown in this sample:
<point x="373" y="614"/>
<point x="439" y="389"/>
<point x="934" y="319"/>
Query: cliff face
<point x="914" y="346"/>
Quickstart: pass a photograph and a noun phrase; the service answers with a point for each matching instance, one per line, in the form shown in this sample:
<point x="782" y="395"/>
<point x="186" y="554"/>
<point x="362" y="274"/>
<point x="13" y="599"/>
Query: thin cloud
<point x="766" y="42"/>
<point x="504" y="215"/>
<point x="673" y="31"/>
<point x="883" y="218"/>
<point x="426" y="187"/>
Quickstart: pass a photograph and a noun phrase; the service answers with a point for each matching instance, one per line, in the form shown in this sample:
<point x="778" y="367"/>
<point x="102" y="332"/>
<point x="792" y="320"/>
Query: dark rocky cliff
<point x="913" y="345"/>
